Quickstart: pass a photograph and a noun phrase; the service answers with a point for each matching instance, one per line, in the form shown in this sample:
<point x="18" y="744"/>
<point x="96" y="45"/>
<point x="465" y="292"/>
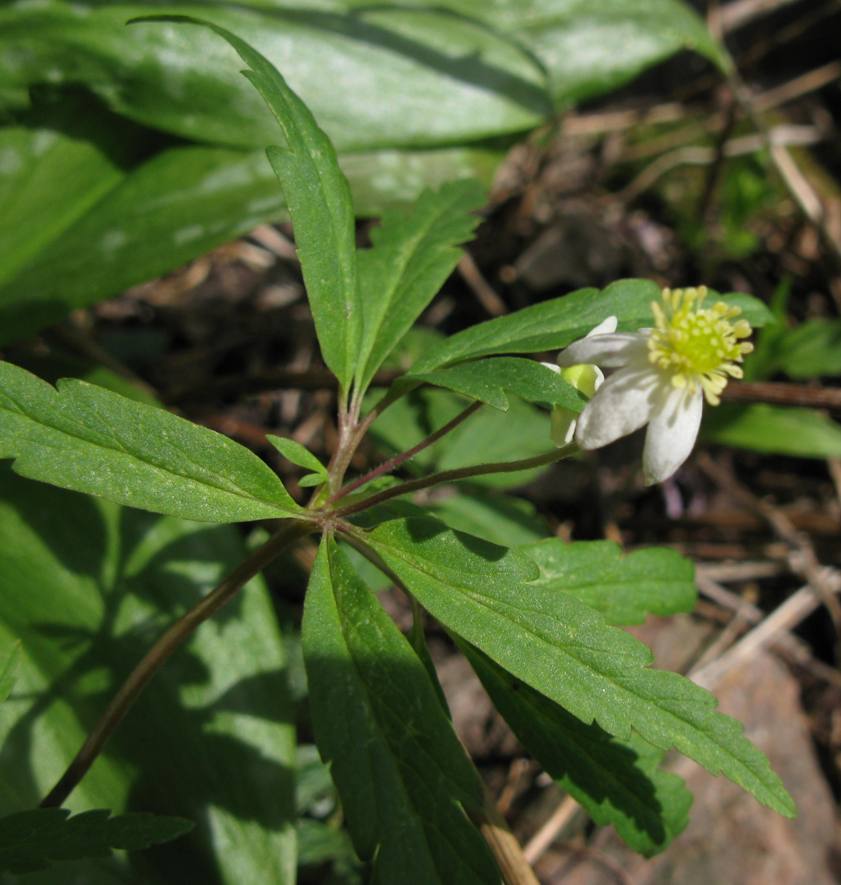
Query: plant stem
<point x="504" y="846"/>
<point x="352" y="431"/>
<point x="341" y="457"/>
<point x="393" y="463"/>
<point x="433" y="479"/>
<point x="160" y="652"/>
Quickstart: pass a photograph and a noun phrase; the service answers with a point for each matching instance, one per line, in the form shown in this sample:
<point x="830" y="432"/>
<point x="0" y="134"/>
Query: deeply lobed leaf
<point x="80" y="436"/>
<point x="566" y="651"/>
<point x="414" y="251"/>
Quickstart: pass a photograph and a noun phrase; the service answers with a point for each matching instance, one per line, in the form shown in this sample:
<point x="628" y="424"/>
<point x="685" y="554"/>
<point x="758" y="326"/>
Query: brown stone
<point x="731" y="839"/>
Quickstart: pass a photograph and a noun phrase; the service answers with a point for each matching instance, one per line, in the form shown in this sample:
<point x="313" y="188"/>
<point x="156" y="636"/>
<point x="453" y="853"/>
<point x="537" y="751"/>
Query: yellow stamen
<point x="698" y="345"/>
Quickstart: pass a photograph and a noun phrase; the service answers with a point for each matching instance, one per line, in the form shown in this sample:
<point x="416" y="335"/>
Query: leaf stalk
<point x="425" y="482"/>
<point x="396" y="461"/>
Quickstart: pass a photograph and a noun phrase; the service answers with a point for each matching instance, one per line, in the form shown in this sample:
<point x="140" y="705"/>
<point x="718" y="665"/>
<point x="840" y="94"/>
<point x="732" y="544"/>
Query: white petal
<point x="620" y="406"/>
<point x="553" y="366"/>
<point x="610" y="351"/>
<point x="672" y="433"/>
<point x="605" y="327"/>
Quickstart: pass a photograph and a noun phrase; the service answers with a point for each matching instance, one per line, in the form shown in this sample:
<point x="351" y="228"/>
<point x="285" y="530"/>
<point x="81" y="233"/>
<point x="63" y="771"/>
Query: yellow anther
<point x="696" y="344"/>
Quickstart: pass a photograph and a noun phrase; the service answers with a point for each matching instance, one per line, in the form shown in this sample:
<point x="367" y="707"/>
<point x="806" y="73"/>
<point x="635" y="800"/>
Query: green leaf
<point x="313" y="785"/>
<point x="776" y="430"/>
<point x="566" y="651"/>
<point x="810" y="350"/>
<point x="57" y="364"/>
<point x="212" y="195"/>
<point x="296" y="453"/>
<point x="55" y="167"/>
<point x="319" y="843"/>
<point x="323" y="839"/>
<point x="761" y="363"/>
<point x="756" y="312"/>
<point x="590" y="47"/>
<point x="389" y="74"/>
<point x="549" y="325"/>
<point x="32" y="840"/>
<point x="9" y="671"/>
<point x="618" y="782"/>
<point x="466" y="77"/>
<point x="82" y="437"/>
<point x="403" y="777"/>
<point x="488" y="381"/>
<point x="318" y="197"/>
<point x="413" y="253"/>
<point x="491" y="515"/>
<point x="457" y="80"/>
<point x="624" y="588"/>
<point x="303" y="457"/>
<point x="558" y="322"/>
<point x="382" y="179"/>
<point x="213" y="740"/>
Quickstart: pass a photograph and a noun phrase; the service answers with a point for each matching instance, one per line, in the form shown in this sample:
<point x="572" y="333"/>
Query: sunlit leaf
<point x="212" y="195"/>
<point x="624" y="588"/>
<point x="317" y="196"/>
<point x="489" y="381"/>
<point x="413" y="253"/>
<point x="566" y="651"/>
<point x="80" y="436"/>
<point x="618" y="782"/>
<point x="553" y="324"/>
<point x="454" y="72"/>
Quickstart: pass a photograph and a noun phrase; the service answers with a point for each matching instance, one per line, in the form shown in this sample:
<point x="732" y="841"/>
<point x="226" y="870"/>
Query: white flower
<point x="663" y="376"/>
<point x="586" y="378"/>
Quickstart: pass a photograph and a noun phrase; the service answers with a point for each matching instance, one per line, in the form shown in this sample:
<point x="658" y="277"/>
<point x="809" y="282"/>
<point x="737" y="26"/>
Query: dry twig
<point x="802" y="559"/>
<point x="549" y="831"/>
<point x="481" y="288"/>
<point x="785" y="642"/>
